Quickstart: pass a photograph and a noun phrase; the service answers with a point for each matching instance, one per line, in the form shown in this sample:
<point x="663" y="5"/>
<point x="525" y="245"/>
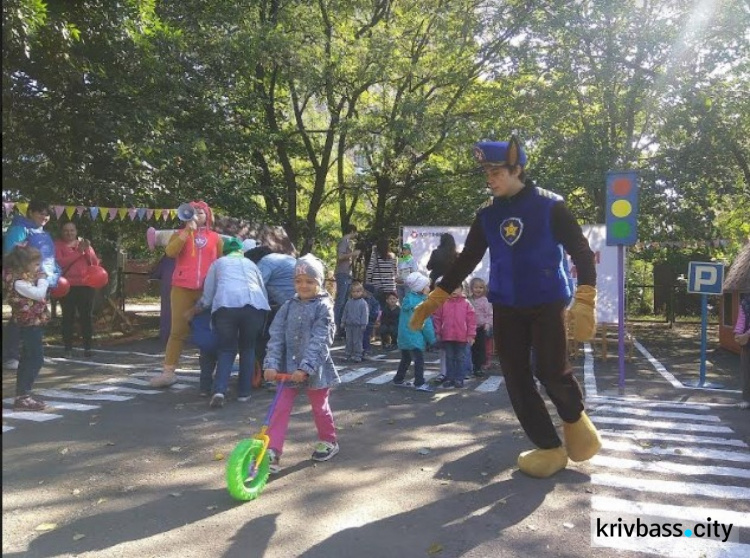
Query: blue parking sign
<point x="705" y="277"/>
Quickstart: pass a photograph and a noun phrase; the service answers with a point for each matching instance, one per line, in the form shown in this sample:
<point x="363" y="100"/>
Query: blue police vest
<point x="526" y="263"/>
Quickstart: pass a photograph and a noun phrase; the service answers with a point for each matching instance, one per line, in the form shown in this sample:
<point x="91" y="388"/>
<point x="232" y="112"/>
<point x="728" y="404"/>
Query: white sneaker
<point x="10" y="364"/>
<point x="274" y="462"/>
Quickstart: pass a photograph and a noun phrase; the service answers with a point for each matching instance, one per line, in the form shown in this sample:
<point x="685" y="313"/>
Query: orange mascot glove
<point x="427" y="307"/>
<point x="583" y="313"/>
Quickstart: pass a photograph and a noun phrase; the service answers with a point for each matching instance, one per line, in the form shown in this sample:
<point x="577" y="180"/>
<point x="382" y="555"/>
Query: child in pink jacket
<point x="456" y="327"/>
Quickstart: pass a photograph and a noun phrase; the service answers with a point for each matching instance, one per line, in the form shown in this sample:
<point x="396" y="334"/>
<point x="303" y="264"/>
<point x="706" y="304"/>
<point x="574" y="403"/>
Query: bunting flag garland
<point x="94" y="212"/>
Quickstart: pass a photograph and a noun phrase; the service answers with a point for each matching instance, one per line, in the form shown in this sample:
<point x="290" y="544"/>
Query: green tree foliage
<point x="316" y="114"/>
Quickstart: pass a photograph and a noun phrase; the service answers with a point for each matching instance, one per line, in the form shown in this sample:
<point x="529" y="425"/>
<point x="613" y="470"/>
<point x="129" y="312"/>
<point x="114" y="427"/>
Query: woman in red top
<point x="75" y="255"/>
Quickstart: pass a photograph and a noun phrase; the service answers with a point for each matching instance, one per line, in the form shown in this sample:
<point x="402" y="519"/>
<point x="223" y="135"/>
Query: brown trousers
<point x="182" y="300"/>
<point x="517" y="331"/>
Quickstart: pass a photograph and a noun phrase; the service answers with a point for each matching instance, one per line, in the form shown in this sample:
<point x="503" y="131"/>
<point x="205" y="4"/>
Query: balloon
<point x="62" y="288"/>
<point x="96" y="277"/>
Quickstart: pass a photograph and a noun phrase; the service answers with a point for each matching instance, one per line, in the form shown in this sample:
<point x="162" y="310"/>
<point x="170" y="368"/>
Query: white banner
<point x="424" y="240"/>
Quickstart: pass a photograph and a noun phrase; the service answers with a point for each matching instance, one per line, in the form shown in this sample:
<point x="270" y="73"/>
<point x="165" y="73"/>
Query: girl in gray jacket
<point x="301" y="338"/>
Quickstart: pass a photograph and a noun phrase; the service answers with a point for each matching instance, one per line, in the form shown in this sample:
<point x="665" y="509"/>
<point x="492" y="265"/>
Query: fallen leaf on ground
<point x="45" y="527"/>
<point x="434" y="549"/>
<point x="532" y="527"/>
<point x="175" y="449"/>
<point x="175" y="494"/>
<point x="64" y="451"/>
<point x="218" y="456"/>
<point x="568" y="525"/>
<point x="211" y="508"/>
<point x="424" y="451"/>
<point x="76" y="491"/>
<point x="439" y="413"/>
<point x="78" y="536"/>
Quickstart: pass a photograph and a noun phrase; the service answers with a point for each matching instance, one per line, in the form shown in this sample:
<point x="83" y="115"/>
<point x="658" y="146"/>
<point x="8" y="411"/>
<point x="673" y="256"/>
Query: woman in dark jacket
<point x="442" y="258"/>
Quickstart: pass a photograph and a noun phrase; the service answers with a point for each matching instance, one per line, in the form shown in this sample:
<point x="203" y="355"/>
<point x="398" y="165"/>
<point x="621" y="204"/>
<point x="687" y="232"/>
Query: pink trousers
<point x="321" y="411"/>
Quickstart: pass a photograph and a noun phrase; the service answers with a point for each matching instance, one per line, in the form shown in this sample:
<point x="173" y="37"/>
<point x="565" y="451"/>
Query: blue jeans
<point x="11" y="340"/>
<point x="238" y="330"/>
<point x="403" y="366"/>
<point x="31" y="358"/>
<point x="343" y="282"/>
<point x="455" y="360"/>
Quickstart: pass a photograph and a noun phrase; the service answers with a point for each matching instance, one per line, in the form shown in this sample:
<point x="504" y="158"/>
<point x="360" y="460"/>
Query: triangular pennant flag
<point x="172" y="213"/>
<point x="149" y="213"/>
<point x="69" y="210"/>
<point x="79" y="210"/>
<point x="103" y="213"/>
<point x="132" y="212"/>
<point x="59" y="210"/>
<point x="122" y="212"/>
<point x="22" y="207"/>
<point x="8" y="207"/>
<point x="165" y="214"/>
<point x="112" y="213"/>
<point x="94" y="212"/>
<point x="141" y="213"/>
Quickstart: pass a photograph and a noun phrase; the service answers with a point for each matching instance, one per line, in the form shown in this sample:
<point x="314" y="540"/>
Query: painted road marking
<point x="670" y="377"/>
<point x="698" y="453"/>
<point x="60" y="394"/>
<point x="63" y="405"/>
<point x="672" y="487"/>
<point x="656" y="414"/>
<point x="691" y="438"/>
<point x="617" y="505"/>
<point x="103" y="388"/>
<point x="354" y="374"/>
<point x="645" y="404"/>
<point x="589" y="380"/>
<point x="667" y="425"/>
<point x="34" y="416"/>
<point x="668" y="467"/>
<point x="492" y="383"/>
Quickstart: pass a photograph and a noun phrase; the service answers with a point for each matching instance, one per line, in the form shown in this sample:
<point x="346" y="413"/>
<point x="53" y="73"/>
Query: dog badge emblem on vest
<point x="201" y="241"/>
<point x="511" y="230"/>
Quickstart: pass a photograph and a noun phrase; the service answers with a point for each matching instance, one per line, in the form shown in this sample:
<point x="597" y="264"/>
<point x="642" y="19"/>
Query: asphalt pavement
<point x="114" y="468"/>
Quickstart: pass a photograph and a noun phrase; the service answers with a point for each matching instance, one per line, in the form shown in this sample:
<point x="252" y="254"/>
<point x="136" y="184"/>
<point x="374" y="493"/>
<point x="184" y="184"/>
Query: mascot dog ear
<point x="513" y="156"/>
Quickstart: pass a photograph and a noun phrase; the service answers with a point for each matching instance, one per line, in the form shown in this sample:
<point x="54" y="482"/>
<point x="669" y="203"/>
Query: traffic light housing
<point x="622" y="208"/>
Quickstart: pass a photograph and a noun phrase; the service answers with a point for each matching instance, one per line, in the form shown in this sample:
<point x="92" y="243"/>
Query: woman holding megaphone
<point x="76" y="257"/>
<point x="194" y="247"/>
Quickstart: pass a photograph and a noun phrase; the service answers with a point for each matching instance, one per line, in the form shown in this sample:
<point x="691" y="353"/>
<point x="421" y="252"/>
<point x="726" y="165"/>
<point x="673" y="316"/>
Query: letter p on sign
<point x="705" y="277"/>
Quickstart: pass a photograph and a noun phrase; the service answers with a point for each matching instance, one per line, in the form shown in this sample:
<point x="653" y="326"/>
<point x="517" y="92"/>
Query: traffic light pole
<point x="621" y="312"/>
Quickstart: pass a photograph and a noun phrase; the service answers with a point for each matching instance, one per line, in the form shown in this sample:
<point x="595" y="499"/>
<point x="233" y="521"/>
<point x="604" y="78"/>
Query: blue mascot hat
<point x="500" y="153"/>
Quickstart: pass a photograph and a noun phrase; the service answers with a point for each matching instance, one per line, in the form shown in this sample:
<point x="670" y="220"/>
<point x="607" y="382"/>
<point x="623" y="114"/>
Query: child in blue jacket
<point x="412" y="343"/>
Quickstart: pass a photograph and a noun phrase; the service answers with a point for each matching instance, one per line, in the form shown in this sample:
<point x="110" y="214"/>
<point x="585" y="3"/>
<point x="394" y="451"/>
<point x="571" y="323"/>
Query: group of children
<point x="460" y="329"/>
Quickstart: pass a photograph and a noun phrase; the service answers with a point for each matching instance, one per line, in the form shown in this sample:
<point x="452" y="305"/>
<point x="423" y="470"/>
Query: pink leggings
<point x="321" y="411"/>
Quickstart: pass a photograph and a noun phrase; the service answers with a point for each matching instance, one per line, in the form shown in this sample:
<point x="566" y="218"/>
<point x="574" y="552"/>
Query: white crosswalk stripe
<point x="34" y="416"/>
<point x="648" y="465"/>
<point x="62" y="405"/>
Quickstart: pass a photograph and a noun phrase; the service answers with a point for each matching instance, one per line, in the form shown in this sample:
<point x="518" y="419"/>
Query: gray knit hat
<point x="312" y="267"/>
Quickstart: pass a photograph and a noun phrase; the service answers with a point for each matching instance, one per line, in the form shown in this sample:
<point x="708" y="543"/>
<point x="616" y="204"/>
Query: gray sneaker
<point x="217" y="401"/>
<point x="325" y="451"/>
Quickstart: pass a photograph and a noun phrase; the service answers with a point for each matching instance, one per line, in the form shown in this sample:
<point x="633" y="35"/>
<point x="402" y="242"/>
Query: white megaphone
<point x="185" y="212"/>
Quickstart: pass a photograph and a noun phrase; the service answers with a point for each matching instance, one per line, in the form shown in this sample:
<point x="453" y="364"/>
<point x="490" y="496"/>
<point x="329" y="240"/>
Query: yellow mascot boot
<point x="581" y="439"/>
<point x="543" y="463"/>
